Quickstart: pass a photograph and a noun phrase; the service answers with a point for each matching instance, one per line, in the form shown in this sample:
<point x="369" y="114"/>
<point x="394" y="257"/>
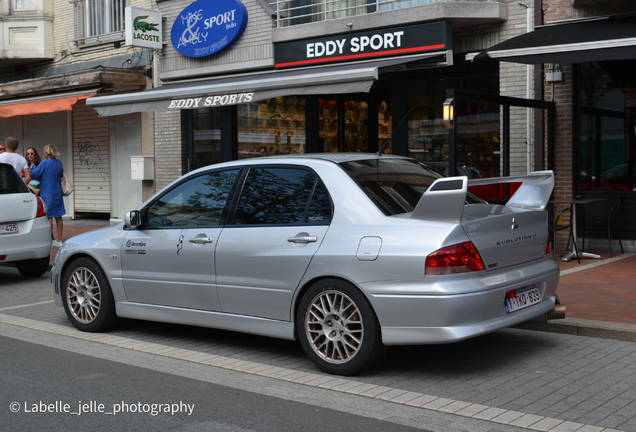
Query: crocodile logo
<point x="143" y="26"/>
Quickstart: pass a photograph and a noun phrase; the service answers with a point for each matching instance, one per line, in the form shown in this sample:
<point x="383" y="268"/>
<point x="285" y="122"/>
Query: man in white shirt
<point x="12" y="158"/>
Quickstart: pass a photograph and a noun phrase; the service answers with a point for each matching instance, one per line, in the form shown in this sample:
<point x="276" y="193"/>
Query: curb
<point x="583" y="327"/>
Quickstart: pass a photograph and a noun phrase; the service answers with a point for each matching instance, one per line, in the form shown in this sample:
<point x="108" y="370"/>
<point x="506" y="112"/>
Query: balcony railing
<point x="294" y="12"/>
<point x="98" y="19"/>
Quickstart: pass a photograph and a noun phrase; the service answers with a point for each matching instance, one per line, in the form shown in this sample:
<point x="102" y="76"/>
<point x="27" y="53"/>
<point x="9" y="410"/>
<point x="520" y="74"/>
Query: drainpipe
<point x="528" y="110"/>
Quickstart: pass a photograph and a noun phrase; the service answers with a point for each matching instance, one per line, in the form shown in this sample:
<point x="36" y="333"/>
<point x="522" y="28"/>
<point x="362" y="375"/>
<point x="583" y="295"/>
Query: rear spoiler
<point x="444" y="200"/>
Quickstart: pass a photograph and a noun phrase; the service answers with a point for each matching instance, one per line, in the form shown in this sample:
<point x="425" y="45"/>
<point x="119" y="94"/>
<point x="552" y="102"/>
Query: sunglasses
<point x="2" y="149"/>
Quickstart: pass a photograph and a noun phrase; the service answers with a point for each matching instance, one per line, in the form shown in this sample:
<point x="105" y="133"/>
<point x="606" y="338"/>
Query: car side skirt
<point x="217" y="320"/>
<point x="439" y="335"/>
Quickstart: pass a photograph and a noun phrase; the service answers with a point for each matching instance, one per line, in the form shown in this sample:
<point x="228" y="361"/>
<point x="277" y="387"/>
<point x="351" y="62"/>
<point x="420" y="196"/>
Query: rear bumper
<point x="435" y="335"/>
<point x="444" y="310"/>
<point x="32" y="242"/>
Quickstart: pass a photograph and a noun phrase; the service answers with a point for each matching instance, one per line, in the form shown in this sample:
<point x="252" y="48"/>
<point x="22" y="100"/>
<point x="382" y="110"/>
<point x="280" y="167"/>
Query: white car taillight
<point x="459" y="258"/>
<point x="41" y="208"/>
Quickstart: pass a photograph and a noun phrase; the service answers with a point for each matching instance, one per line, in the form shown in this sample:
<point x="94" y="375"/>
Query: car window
<point x="395" y="185"/>
<point x="274" y="195"/>
<point x="199" y="201"/>
<point x="10" y="181"/>
<point x="320" y="209"/>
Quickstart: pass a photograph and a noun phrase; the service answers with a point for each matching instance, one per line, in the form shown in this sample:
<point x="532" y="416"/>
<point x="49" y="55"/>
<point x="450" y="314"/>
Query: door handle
<point x="201" y="240"/>
<point x="303" y="239"/>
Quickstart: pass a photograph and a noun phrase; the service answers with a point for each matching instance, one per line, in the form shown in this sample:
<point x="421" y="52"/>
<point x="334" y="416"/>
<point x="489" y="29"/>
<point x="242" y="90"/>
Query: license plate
<point x="11" y="228"/>
<point x="519" y="300"/>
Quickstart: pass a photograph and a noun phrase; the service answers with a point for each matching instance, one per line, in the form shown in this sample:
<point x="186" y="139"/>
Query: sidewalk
<point x="600" y="294"/>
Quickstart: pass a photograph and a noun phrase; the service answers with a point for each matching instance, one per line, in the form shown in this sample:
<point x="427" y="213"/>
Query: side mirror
<point x="132" y="219"/>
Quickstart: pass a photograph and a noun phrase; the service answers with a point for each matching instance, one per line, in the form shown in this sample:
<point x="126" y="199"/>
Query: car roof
<point x="337" y="158"/>
<point x="333" y="157"/>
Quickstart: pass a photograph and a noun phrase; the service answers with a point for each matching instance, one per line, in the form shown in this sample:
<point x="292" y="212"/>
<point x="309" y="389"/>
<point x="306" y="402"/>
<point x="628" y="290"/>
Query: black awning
<point x="607" y="38"/>
<point x="344" y="78"/>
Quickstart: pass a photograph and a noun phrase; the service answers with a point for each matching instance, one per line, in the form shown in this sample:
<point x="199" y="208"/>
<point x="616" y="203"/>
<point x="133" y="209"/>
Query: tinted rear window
<point x="394" y="185"/>
<point x="10" y="181"/>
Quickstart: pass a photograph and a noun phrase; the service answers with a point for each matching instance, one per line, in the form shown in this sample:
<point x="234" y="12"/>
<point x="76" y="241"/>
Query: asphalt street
<point x="52" y="389"/>
<point x="509" y="380"/>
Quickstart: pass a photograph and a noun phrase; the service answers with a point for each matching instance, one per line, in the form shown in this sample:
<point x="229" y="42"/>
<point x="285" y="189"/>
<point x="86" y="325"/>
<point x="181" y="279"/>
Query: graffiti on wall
<point x="88" y="156"/>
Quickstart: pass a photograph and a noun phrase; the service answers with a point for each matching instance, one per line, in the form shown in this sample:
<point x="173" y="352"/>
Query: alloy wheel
<point x="83" y="295"/>
<point x="334" y="327"/>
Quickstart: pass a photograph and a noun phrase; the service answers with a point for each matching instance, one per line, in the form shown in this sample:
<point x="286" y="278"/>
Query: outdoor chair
<point x="602" y="213"/>
<point x="557" y="228"/>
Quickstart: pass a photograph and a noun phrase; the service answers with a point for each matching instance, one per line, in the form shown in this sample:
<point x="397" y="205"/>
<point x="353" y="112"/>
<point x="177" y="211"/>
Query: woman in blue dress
<point x="49" y="172"/>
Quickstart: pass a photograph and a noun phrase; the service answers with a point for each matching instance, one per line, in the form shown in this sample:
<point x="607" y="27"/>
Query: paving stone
<point x="546" y="424"/>
<point x="489" y="413"/>
<point x="526" y="420"/>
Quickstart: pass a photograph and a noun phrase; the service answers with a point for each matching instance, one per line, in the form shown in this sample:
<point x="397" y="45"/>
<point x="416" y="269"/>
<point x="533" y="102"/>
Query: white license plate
<point x="11" y="228"/>
<point x="519" y="300"/>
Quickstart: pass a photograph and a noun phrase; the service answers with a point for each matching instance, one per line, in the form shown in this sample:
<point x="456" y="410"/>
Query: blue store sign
<point x="207" y="27"/>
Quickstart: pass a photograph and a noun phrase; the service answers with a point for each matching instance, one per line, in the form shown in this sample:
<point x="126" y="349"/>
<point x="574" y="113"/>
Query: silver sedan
<point x="349" y="253"/>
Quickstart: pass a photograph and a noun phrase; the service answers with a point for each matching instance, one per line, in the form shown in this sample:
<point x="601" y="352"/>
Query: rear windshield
<point x="10" y="181"/>
<point x="394" y="185"/>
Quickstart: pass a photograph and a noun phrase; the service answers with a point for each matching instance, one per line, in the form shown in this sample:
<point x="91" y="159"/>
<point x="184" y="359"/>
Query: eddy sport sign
<point x="394" y="41"/>
<point x="207" y="27"/>
<point x="143" y="28"/>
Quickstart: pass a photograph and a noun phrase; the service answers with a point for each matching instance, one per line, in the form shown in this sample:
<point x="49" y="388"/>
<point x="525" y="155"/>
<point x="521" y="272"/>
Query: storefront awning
<point x="40" y="105"/>
<point x="606" y="38"/>
<point x="240" y="89"/>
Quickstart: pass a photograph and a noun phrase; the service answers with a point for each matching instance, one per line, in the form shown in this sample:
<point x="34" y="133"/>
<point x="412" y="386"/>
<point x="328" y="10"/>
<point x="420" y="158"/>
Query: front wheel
<point x="338" y="329"/>
<point x="33" y="267"/>
<point x="87" y="298"/>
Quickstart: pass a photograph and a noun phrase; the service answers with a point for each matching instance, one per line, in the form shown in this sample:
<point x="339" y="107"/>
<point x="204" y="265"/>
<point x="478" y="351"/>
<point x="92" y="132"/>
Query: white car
<point x="348" y="253"/>
<point x="25" y="234"/>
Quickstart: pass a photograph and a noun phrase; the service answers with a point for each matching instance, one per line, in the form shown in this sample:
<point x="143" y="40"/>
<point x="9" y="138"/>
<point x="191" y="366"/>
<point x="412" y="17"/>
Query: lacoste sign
<point x="143" y="28"/>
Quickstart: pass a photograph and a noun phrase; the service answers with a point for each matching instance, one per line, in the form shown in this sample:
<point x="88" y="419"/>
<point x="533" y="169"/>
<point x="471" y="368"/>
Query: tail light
<point x="459" y="258"/>
<point x="41" y="208"/>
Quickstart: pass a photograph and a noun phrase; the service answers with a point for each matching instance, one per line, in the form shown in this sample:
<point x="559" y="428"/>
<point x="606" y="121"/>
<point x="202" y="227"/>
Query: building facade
<point x="56" y="54"/>
<point x="315" y="107"/>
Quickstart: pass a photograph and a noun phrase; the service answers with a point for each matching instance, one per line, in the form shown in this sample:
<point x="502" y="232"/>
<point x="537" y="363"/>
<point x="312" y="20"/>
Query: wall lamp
<point x="448" y="114"/>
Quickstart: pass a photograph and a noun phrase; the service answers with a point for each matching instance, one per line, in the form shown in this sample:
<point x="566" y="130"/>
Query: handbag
<point x="67" y="186"/>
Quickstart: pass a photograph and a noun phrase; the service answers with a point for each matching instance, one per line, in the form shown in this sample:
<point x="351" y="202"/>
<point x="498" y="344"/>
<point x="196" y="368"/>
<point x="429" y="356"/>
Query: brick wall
<point x="169" y="148"/>
<point x="513" y="83"/>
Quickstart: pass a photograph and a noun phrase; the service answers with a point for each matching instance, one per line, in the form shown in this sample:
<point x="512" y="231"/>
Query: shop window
<point x="206" y="137"/>
<point x="606" y="126"/>
<point x="385" y="121"/>
<point x="199" y="201"/>
<point x="328" y="134"/>
<point x="98" y="18"/>
<point x="356" y="124"/>
<point x="276" y="196"/>
<point x="271" y="127"/>
<point x="343" y="123"/>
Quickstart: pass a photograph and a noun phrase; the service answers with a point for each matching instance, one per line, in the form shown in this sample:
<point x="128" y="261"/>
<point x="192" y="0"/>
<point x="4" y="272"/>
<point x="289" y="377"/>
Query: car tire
<point x="338" y="328"/>
<point x="87" y="297"/>
<point x="33" y="267"/>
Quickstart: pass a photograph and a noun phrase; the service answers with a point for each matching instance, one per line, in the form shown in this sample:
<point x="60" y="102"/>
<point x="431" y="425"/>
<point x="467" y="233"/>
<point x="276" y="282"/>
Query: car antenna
<point x="379" y="153"/>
